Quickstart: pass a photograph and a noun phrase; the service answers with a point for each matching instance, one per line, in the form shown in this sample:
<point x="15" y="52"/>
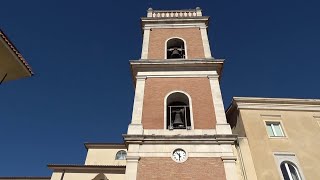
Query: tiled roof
<point x="15" y="50"/>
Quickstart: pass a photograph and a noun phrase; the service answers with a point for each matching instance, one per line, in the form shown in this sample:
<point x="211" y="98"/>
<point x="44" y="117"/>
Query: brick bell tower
<point x="178" y="128"/>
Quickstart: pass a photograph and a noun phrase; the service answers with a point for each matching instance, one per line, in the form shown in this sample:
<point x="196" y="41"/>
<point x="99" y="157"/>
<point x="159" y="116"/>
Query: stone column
<point x="230" y="168"/>
<point x="145" y="43"/>
<point x="222" y="127"/>
<point x="136" y="127"/>
<point x="205" y="42"/>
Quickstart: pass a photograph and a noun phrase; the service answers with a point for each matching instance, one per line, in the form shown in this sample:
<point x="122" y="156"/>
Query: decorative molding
<point x="105" y="146"/>
<point x="120" y="169"/>
<point x="178" y="139"/>
<point x="285" y="104"/>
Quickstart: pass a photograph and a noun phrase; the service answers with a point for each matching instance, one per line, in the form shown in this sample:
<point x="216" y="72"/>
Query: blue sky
<point x="82" y="89"/>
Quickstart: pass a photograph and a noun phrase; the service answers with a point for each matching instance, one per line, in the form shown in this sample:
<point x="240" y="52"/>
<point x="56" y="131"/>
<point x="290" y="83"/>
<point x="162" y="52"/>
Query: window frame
<point x="290" y="157"/>
<point x="286" y="165"/>
<point x="273" y="123"/>
<point x="185" y="48"/>
<point x="165" y="110"/>
<point x="121" y="151"/>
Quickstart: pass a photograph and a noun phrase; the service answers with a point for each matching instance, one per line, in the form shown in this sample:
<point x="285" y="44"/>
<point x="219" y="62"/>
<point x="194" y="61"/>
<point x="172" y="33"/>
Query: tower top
<point x="174" y="13"/>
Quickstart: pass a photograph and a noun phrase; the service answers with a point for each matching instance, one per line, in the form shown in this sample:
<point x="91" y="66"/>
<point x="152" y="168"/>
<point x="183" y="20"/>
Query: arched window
<point x="289" y="171"/>
<point x="176" y="49"/>
<point x="178" y="111"/>
<point x="121" y="155"/>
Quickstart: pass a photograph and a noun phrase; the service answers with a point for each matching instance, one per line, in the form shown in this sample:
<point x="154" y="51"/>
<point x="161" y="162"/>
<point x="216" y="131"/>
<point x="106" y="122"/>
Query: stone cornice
<point x="104" y="146"/>
<point x="285" y="104"/>
<point x="112" y="169"/>
<point x="175" y="65"/>
<point x="27" y="177"/>
<point x="176" y="21"/>
<point x="178" y="139"/>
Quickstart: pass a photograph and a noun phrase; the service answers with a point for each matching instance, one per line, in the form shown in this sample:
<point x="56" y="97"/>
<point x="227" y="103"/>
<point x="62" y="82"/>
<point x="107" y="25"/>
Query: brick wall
<point x="192" y="36"/>
<point x="198" y="88"/>
<point x="192" y="169"/>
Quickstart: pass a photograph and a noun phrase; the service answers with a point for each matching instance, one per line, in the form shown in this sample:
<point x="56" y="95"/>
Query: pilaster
<point x="205" y="41"/>
<point x="145" y="43"/>
<point x="229" y="163"/>
<point x="222" y="126"/>
<point x="136" y="127"/>
<point x="132" y="167"/>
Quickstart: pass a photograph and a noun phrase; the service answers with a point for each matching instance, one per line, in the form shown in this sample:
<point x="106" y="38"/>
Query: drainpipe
<point x="243" y="169"/>
<point x="4" y="77"/>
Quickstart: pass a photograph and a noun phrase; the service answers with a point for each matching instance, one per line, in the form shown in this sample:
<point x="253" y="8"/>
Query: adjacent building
<point x="12" y="65"/>
<point x="277" y="137"/>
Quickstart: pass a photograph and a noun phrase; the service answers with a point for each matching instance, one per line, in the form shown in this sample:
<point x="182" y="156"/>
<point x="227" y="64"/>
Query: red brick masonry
<point x="198" y="88"/>
<point x="192" y="36"/>
<point x="192" y="169"/>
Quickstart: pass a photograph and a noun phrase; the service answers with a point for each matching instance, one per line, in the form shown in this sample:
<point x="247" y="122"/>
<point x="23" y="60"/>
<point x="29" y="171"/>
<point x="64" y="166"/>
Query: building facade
<point x="278" y="137"/>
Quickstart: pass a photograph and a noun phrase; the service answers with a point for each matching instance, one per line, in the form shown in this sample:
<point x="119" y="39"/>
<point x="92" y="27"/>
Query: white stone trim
<point x="175" y="37"/>
<point x="132" y="167"/>
<point x="277" y="104"/>
<point x="165" y="109"/>
<point x="230" y="167"/>
<point x="179" y="131"/>
<point x="145" y="43"/>
<point x="174" y="74"/>
<point x="205" y="42"/>
<point x="176" y="25"/>
<point x="290" y="157"/>
<point x="194" y="150"/>
<point x="222" y="126"/>
<point x="136" y="127"/>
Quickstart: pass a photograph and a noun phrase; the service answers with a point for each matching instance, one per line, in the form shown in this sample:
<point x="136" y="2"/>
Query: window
<point x="178" y="111"/>
<point x="121" y="155"/>
<point x="175" y="49"/>
<point x="274" y="129"/>
<point x="289" y="171"/>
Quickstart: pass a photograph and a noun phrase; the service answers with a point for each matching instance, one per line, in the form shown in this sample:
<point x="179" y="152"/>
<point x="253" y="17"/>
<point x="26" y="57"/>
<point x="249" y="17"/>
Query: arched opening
<point x="176" y="49"/>
<point x="121" y="155"/>
<point x="100" y="176"/>
<point x="178" y="111"/>
<point x="289" y="171"/>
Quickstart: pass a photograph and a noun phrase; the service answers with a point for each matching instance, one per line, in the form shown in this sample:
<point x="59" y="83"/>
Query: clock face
<point x="179" y="155"/>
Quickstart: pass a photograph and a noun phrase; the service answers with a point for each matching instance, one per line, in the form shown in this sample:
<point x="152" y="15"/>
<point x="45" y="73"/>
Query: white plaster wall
<point x="84" y="176"/>
<point x="103" y="157"/>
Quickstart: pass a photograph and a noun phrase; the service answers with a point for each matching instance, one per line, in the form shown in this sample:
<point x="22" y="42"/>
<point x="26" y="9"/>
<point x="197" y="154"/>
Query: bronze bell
<point x="177" y="122"/>
<point x="175" y="53"/>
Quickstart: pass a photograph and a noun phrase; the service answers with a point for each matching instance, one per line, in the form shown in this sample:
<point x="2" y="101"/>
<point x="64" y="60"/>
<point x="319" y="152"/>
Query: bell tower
<point x="178" y="128"/>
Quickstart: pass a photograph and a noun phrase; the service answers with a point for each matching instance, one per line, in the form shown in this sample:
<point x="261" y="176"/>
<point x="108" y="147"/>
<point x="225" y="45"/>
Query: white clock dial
<point x="179" y="155"/>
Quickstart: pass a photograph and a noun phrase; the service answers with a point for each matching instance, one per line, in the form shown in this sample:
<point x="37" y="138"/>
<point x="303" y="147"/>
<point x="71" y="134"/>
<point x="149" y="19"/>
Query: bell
<point x="177" y="122"/>
<point x="175" y="53"/>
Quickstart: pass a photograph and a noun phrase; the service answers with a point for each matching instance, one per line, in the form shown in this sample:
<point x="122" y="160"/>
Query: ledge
<point x="112" y="169"/>
<point x="152" y="65"/>
<point x="105" y="146"/>
<point x="180" y="139"/>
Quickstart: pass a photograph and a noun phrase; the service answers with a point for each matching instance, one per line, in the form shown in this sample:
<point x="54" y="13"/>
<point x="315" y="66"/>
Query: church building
<point x="179" y="128"/>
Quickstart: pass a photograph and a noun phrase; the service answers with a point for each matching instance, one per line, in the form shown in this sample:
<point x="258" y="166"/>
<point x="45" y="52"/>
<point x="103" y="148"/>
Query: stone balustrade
<point x="174" y="13"/>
